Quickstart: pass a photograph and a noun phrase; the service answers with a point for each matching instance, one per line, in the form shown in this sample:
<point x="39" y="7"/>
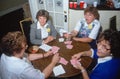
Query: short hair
<point x="92" y="10"/>
<point x="113" y="37"/>
<point x="43" y="13"/>
<point x="12" y="42"/>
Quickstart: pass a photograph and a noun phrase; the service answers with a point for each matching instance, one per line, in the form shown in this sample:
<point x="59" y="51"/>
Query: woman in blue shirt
<point x="107" y="55"/>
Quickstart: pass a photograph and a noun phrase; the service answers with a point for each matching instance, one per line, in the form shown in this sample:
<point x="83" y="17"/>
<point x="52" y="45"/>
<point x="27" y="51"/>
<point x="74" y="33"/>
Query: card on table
<point x="63" y="61"/>
<point x="68" y="42"/>
<point x="55" y="49"/>
<point x="58" y="70"/>
<point x="69" y="46"/>
<point x="45" y="47"/>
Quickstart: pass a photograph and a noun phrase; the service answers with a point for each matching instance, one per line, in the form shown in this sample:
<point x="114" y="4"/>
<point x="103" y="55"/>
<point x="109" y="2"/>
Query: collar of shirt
<point x="40" y="27"/>
<point x="10" y="58"/>
<point x="85" y="23"/>
<point x="44" y="33"/>
<point x="105" y="59"/>
<point x="102" y="60"/>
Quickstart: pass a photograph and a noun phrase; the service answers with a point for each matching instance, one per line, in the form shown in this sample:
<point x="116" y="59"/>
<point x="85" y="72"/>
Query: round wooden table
<point x="65" y="53"/>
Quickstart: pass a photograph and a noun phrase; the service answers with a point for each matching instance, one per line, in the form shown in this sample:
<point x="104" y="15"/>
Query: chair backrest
<point x="93" y="43"/>
<point x="99" y="32"/>
<point x="113" y="23"/>
<point x="25" y="28"/>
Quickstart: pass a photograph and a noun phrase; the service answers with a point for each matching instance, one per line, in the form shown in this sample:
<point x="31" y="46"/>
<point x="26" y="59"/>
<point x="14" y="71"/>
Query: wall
<point x="75" y="15"/>
<point x="7" y="6"/>
<point x="89" y="1"/>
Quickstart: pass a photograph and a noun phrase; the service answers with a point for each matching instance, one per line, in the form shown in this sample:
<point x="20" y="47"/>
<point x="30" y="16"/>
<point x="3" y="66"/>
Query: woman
<point x="87" y="29"/>
<point x="42" y="31"/>
<point x="107" y="55"/>
<point x="15" y="65"/>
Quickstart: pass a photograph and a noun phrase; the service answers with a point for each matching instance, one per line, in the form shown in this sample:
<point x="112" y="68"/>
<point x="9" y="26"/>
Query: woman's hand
<point x="55" y="58"/>
<point x="48" y="39"/>
<point x="66" y="35"/>
<point x="77" y="56"/>
<point x="49" y="53"/>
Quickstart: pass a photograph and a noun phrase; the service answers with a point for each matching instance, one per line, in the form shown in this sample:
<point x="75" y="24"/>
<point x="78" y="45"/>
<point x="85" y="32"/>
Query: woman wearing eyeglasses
<point x="107" y="55"/>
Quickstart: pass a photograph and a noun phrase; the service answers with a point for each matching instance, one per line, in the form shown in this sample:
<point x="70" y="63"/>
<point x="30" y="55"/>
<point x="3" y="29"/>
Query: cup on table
<point x="35" y="49"/>
<point x="61" y="39"/>
<point x="95" y="3"/>
<point x="71" y="4"/>
<point x="82" y="4"/>
<point x="67" y="36"/>
<point x="75" y="5"/>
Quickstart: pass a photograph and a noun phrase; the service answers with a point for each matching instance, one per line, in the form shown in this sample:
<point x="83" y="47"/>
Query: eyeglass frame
<point x="103" y="46"/>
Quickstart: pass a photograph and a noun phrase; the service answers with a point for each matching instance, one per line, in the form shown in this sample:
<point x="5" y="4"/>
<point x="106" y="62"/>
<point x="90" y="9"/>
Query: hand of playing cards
<point x="75" y="62"/>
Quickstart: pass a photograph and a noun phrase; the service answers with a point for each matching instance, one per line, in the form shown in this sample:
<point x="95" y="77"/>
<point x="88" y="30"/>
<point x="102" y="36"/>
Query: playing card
<point x="63" y="61"/>
<point x="69" y="46"/>
<point x="68" y="42"/>
<point x="55" y="49"/>
<point x="74" y="61"/>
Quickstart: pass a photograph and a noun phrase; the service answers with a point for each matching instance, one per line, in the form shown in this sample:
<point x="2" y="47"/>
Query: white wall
<point x="7" y="6"/>
<point x="105" y="18"/>
<point x="75" y="15"/>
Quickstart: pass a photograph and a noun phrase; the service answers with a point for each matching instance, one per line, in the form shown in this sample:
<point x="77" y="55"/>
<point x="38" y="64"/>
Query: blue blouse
<point x="106" y="70"/>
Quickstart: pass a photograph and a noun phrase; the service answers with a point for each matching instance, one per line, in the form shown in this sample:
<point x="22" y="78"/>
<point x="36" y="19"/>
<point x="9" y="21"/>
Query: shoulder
<point x="116" y="61"/>
<point x="49" y="22"/>
<point x="96" y="22"/>
<point x="82" y="20"/>
<point x="112" y="64"/>
<point x="34" y="25"/>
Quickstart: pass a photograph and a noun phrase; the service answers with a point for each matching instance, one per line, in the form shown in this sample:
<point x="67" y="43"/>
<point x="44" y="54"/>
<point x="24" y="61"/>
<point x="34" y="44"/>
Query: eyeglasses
<point x="104" y="47"/>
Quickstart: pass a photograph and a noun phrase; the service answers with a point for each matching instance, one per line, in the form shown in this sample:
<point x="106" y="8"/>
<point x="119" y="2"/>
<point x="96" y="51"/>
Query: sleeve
<point x="33" y="38"/>
<point x="94" y="53"/>
<point x="31" y="73"/>
<point x="53" y="31"/>
<point x="95" y="30"/>
<point x="78" y="26"/>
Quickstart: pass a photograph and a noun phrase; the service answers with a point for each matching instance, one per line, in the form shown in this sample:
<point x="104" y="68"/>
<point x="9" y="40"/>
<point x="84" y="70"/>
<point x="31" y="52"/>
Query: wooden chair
<point x="25" y="28"/>
<point x="113" y="23"/>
